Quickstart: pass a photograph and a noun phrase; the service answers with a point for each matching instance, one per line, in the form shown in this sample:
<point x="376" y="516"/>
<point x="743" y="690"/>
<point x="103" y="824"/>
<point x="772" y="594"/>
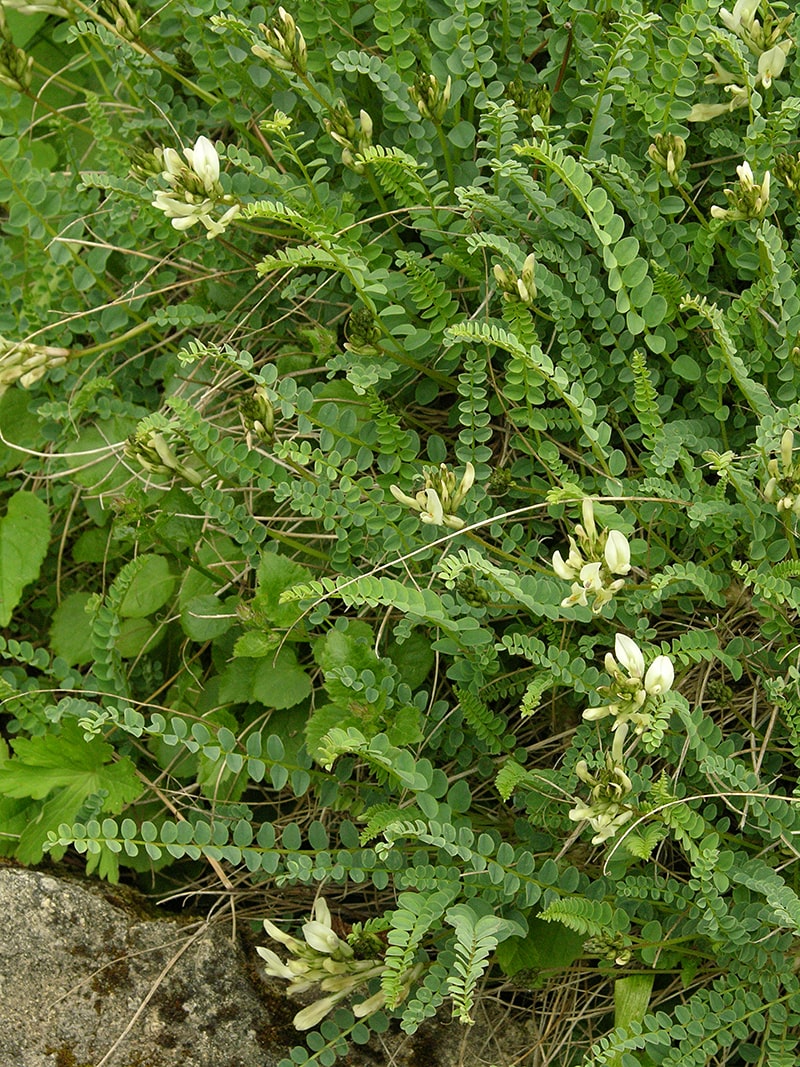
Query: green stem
<point x="447" y="160"/>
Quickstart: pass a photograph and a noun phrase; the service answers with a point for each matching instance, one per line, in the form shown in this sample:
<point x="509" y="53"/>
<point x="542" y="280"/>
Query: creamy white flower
<point x="320" y="937"/>
<point x="370" y="1005"/>
<point x="787" y="448"/>
<point x="317" y="1011"/>
<point x="744" y="12"/>
<point x="172" y="164"/>
<point x="587" y="513"/>
<point x="278" y="935"/>
<point x="433" y="512"/>
<point x="629" y="655"/>
<point x="276" y="968"/>
<point x="660" y="676"/>
<point x="563" y="568"/>
<point x="771" y="64"/>
<point x="467" y="481"/>
<point x="204" y="161"/>
<point x="745" y="172"/>
<point x="617" y="553"/>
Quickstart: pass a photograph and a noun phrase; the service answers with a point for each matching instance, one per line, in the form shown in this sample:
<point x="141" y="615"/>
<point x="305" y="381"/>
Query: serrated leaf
<point x="150" y="589"/>
<point x="323" y="720"/>
<point x="254" y="644"/>
<point x="276" y="573"/>
<point x="70" y="633"/>
<point x="24" y="537"/>
<point x="546" y="946"/>
<point x="279" y="681"/>
<point x="65" y="770"/>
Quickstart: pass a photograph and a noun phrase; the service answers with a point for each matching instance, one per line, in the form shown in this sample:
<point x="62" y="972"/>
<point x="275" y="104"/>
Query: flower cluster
<point x="783" y="487"/>
<point x="432" y="99"/>
<point x="44" y="7"/>
<point x="16" y="65"/>
<point x="284" y="46"/>
<point x="353" y="138"/>
<point x="258" y="414"/>
<point x="122" y="17"/>
<point x="153" y="453"/>
<point x="322" y="959"/>
<point x="605" y="809"/>
<point x="439" y="500"/>
<point x="593" y="560"/>
<point x="747" y="200"/>
<point x="520" y="288"/>
<point x="668" y="151"/>
<point x="194" y="190"/>
<point x="767" y="45"/>
<point x="532" y="102"/>
<point x="634" y="691"/>
<point x="26" y="363"/>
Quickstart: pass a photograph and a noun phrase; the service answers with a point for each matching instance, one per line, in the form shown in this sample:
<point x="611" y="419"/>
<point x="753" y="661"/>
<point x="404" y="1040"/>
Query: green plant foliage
<point x="400" y="460"/>
<point x="24" y="537"/>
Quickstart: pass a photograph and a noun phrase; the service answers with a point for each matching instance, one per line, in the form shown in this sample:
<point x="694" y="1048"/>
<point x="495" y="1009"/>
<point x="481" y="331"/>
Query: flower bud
<point x="587" y="512"/>
<point x="787" y="447"/>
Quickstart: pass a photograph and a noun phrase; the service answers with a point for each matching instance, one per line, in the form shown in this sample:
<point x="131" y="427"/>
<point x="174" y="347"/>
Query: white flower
<point x="278" y="935"/>
<point x="316" y="1012"/>
<point x="563" y="569"/>
<point x="617" y="553"/>
<point x="660" y="676"/>
<point x="320" y="937"/>
<point x="276" y="968"/>
<point x="172" y="164"/>
<point x="440" y="498"/>
<point x="589" y="529"/>
<point x="629" y="655"/>
<point x="745" y="172"/>
<point x="372" y="1004"/>
<point x="772" y="62"/>
<point x="204" y="161"/>
<point x="432" y="512"/>
<point x="466" y="483"/>
<point x="787" y="448"/>
<point x="744" y="13"/>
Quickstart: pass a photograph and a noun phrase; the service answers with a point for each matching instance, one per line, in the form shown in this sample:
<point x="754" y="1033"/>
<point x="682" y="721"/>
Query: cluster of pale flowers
<point x="26" y="363"/>
<point x="596" y="562"/>
<point x="634" y="690"/>
<point x="748" y="199"/>
<point x="195" y="192"/>
<point x="668" y="151"/>
<point x="439" y="500"/>
<point x="322" y="959"/>
<point x="783" y="487"/>
<point x="633" y="696"/>
<point x="284" y="46"/>
<point x="522" y="287"/>
<point x="764" y="40"/>
<point x="605" y="810"/>
<point x="153" y="452"/>
<point x="353" y="139"/>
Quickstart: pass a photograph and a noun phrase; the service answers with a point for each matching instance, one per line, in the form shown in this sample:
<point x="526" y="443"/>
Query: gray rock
<point x="88" y="978"/>
<point x="84" y="980"/>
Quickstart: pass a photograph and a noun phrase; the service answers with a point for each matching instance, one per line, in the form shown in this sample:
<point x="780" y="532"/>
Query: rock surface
<point x="87" y="980"/>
